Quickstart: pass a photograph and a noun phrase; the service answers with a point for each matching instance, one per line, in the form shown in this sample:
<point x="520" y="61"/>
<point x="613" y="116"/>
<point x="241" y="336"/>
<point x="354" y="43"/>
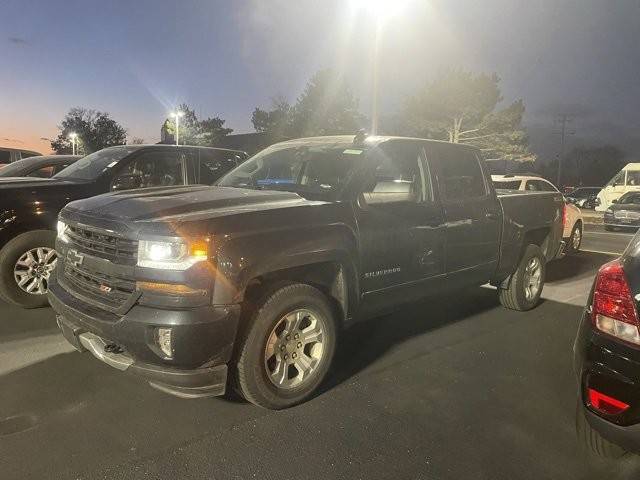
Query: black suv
<point x="29" y="206"/>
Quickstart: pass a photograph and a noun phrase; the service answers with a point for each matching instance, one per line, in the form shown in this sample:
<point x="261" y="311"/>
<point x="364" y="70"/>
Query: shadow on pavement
<point x="575" y="267"/>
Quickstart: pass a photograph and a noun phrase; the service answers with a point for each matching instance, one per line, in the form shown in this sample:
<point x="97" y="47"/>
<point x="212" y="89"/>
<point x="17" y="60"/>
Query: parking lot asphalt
<point x="450" y="388"/>
<point x="597" y="239"/>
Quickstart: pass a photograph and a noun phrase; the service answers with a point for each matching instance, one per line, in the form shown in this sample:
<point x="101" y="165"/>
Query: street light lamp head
<point x="177" y="114"/>
<point x="73" y="135"/>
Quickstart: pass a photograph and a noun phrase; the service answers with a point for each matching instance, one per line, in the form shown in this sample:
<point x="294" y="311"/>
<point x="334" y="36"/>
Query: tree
<point x="207" y="132"/>
<point x="327" y="106"/>
<point x="95" y="130"/>
<point x="588" y="166"/>
<point x="460" y="107"/>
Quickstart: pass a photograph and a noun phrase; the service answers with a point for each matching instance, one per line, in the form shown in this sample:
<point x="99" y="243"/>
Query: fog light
<point x="163" y="339"/>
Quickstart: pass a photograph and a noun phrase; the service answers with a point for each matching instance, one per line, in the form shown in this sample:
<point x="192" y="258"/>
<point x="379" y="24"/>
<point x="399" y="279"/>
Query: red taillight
<point x="613" y="310"/>
<point x="606" y="404"/>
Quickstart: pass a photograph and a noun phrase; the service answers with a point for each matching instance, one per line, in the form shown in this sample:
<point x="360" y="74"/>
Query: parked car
<point x="253" y="279"/>
<point x="29" y="207"/>
<point x="607" y="358"/>
<point x="584" y="197"/>
<point x="626" y="180"/>
<point x="624" y="212"/>
<point x="42" y="166"/>
<point x="10" y="155"/>
<point x="571" y="215"/>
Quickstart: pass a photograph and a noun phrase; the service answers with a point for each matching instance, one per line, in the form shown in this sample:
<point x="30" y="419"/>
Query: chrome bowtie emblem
<point x="74" y="258"/>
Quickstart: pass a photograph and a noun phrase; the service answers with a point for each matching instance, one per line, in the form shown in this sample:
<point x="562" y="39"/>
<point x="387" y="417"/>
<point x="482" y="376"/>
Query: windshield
<point x="630" y="198"/>
<point x="511" y="185"/>
<point x="311" y="169"/>
<point x="15" y="168"/>
<point x="91" y="166"/>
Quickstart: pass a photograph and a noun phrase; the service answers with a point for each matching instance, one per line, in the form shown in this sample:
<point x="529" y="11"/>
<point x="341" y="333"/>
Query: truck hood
<point x="176" y="204"/>
<point x="20" y="183"/>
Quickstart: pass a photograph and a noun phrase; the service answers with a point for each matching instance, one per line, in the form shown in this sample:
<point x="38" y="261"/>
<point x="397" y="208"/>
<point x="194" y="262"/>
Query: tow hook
<point x="113" y="348"/>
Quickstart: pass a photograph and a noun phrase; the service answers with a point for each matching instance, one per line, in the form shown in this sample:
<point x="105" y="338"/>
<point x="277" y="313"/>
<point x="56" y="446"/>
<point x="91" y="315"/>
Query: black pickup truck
<point x="29" y="207"/>
<point x="253" y="278"/>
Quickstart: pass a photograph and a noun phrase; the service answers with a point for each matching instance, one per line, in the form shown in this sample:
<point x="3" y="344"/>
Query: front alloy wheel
<point x="286" y="346"/>
<point x="33" y="269"/>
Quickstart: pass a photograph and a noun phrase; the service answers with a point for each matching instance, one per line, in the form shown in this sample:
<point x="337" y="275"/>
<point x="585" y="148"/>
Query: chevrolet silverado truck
<point x="248" y="283"/>
<point x="29" y="207"/>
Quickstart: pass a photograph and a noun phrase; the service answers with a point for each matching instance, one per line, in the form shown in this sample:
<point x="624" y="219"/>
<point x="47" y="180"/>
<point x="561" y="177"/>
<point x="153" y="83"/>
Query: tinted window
<point x="512" y="185"/>
<point x="460" y="174"/>
<point x="156" y="169"/>
<point x="539" y="186"/>
<point x="59" y="168"/>
<point x="213" y="164"/>
<point x="398" y="173"/>
<point x="629" y="198"/>
<point x="93" y="165"/>
<point x="43" y="172"/>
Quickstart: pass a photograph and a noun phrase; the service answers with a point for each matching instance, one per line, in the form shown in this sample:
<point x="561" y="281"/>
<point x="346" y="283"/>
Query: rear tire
<point x="297" y="322"/>
<point x="526" y="282"/>
<point x="575" y="240"/>
<point x="17" y="262"/>
<point x="592" y="439"/>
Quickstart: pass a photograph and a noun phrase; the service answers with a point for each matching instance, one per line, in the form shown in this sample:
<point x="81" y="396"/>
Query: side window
<point x="548" y="187"/>
<point x="213" y="164"/>
<point x="154" y="169"/>
<point x="460" y="175"/>
<point x="398" y="176"/>
<point x="532" y="186"/>
<point x="43" y="172"/>
<point x="5" y="156"/>
<point x="618" y="179"/>
<point x="59" y="168"/>
<point x="633" y="178"/>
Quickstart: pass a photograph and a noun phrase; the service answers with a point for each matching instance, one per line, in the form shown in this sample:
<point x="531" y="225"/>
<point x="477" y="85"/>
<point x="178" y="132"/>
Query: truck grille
<point x="106" y="291"/>
<point x="103" y="244"/>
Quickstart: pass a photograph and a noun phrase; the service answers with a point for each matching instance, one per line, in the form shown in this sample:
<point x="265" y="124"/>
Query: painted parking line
<point x="629" y="235"/>
<point x="617" y="254"/>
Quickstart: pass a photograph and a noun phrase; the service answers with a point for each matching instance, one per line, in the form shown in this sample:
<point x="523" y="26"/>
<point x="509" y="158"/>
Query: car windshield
<point x="511" y="185"/>
<point x="629" y="199"/>
<point x="15" y="168"/>
<point x="314" y="170"/>
<point x="93" y="165"/>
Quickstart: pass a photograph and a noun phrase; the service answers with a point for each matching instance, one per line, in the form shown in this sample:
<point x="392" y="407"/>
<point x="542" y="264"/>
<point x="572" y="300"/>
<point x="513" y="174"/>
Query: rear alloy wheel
<point x="287" y="347"/>
<point x="527" y="282"/>
<point x="26" y="265"/>
<point x="575" y="240"/>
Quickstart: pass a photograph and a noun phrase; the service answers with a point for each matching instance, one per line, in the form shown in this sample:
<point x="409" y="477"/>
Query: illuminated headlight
<point x="62" y="231"/>
<point x="163" y="339"/>
<point x="177" y="255"/>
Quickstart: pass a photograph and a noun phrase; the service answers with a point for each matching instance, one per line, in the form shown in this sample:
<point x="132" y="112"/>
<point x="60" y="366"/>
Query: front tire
<point x="575" y="240"/>
<point x="287" y="347"/>
<point x="26" y="263"/>
<point x="526" y="282"/>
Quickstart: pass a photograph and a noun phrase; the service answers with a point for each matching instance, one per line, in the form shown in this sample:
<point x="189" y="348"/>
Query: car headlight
<point x="609" y="210"/>
<point x="171" y="255"/>
<point x="62" y="231"/>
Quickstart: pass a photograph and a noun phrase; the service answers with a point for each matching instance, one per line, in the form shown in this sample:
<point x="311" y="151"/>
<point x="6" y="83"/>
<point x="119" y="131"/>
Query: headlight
<point x="609" y="210"/>
<point x="176" y="255"/>
<point x="62" y="231"/>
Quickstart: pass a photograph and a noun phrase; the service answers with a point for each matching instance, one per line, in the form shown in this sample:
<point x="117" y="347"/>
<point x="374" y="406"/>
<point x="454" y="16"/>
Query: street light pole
<point x="177" y="116"/>
<point x="72" y="137"/>
<point x="376" y="78"/>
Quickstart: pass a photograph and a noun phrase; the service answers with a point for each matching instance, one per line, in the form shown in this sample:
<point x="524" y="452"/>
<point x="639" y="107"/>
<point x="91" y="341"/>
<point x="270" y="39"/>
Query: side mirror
<point x="126" y="182"/>
<point x="614" y="201"/>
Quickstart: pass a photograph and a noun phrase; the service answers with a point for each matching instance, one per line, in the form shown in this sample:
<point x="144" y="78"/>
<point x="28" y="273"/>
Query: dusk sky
<point x="138" y="59"/>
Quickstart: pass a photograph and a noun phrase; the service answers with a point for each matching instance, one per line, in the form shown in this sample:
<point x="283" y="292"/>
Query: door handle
<point x="491" y="215"/>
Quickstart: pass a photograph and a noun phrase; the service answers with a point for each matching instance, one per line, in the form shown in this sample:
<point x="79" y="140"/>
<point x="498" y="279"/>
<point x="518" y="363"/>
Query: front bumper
<point x="203" y="341"/>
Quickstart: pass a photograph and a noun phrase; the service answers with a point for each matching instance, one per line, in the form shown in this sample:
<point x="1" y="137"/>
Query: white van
<point x="626" y="180"/>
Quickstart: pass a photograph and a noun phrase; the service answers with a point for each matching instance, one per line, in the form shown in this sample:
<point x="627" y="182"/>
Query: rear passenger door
<point x="472" y="215"/>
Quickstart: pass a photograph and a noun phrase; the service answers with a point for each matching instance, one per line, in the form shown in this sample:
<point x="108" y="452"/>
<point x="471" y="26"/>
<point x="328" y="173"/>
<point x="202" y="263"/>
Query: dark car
<point x="624" y="212"/>
<point x="255" y="277"/>
<point x="607" y="358"/>
<point x="584" y="197"/>
<point x="43" y="166"/>
<point x="29" y="207"/>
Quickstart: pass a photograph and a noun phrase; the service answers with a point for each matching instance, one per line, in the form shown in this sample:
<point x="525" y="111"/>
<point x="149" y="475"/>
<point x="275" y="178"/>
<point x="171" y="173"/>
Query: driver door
<point x="159" y="168"/>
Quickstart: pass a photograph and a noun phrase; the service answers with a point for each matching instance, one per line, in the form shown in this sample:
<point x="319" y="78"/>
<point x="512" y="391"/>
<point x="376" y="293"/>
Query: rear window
<point x="511" y="185"/>
<point x="460" y="174"/>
